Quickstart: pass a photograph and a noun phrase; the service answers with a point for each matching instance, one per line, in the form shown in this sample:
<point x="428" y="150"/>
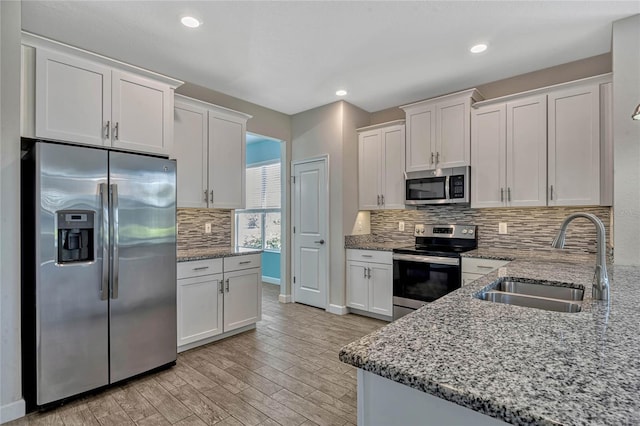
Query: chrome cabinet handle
<point x="227" y="285"/>
<point x="378" y="199"/>
<point x="221" y="287"/>
<point x="367" y="255"/>
<point x="369" y="273"/>
<point x="437" y="157"/>
<point x="116" y="131"/>
<point x="382" y="198"/>
<point x="107" y="128"/>
<point x="432" y="155"/>
<point x="552" y="192"/>
<point x="509" y="194"/>
<point x="319" y="242"/>
<point x="501" y="194"/>
<point x="115" y="265"/>
<point x="104" y="201"/>
<point x="484" y="267"/>
<point x="246" y="262"/>
<point x="201" y="268"/>
<point x="211" y="198"/>
<point x="205" y="196"/>
<point x="364" y="273"/>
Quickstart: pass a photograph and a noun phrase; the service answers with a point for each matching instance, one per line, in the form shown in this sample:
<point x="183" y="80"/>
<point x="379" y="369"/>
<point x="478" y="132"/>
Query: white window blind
<point x="263" y="187"/>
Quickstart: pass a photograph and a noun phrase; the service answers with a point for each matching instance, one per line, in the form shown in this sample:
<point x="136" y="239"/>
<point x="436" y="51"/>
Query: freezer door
<point x="71" y="310"/>
<point x="143" y="269"/>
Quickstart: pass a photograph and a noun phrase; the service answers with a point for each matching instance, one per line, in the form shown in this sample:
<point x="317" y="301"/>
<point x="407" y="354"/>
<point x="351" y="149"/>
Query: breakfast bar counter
<point x="516" y="364"/>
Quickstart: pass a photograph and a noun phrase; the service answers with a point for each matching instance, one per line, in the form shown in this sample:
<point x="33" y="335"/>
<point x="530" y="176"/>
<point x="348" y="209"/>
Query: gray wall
<point x="11" y="403"/>
<point x="570" y="71"/>
<point x="626" y="137"/>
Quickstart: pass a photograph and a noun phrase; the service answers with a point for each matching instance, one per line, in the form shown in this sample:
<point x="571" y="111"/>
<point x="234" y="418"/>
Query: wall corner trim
<point x="284" y="298"/>
<point x="337" y="309"/>
<point x="12" y="411"/>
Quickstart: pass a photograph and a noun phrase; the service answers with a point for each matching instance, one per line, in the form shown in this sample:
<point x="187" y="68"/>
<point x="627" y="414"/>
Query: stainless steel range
<point x="432" y="268"/>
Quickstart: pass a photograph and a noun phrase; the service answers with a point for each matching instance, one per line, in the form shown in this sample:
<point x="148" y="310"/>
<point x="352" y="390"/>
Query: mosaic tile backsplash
<point x="528" y="228"/>
<point x="191" y="224"/>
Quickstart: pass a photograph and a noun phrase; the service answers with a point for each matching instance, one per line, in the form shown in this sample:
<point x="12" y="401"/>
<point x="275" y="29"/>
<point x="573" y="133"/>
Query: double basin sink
<point x="547" y="295"/>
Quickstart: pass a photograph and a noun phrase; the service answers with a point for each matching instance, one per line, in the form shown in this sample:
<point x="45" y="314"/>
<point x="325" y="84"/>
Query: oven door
<point x="421" y="279"/>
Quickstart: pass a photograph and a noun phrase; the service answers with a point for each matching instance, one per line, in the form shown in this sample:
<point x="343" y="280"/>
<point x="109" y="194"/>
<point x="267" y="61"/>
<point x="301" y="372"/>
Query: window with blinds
<point x="258" y="226"/>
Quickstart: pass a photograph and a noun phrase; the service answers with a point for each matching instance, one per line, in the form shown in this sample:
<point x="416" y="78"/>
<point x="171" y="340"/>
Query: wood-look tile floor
<point x="286" y="372"/>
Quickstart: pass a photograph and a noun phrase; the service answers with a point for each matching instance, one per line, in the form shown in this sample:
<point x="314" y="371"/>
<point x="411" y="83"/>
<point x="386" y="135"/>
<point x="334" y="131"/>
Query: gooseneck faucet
<point x="600" y="290"/>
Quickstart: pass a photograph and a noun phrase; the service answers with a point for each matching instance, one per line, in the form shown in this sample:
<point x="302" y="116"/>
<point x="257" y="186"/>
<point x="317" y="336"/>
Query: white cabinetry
<point x="381" y="166"/>
<point x="85" y="101"/>
<point x="474" y="268"/>
<point x="438" y="132"/>
<point x="216" y="297"/>
<point x="370" y="281"/>
<point x="552" y="147"/>
<point x="209" y="145"/>
<point x="509" y="154"/>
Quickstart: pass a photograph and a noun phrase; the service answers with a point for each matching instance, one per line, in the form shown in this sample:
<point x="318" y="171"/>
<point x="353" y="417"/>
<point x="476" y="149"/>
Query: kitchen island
<point x="515" y="364"/>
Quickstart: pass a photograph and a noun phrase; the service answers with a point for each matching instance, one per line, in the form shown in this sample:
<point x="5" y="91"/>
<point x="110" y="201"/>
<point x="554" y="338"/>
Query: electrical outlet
<point x="401" y="226"/>
<point x="502" y="228"/>
<point x="207" y="228"/>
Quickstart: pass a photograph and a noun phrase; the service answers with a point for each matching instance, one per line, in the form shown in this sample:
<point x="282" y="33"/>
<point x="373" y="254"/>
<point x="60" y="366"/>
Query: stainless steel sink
<point x="547" y="295"/>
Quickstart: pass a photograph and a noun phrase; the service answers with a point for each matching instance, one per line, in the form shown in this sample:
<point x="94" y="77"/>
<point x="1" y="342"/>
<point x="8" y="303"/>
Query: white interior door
<point x="310" y="245"/>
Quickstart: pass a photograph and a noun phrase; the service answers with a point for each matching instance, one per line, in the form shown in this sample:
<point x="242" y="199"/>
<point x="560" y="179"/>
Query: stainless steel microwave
<point x="440" y="186"/>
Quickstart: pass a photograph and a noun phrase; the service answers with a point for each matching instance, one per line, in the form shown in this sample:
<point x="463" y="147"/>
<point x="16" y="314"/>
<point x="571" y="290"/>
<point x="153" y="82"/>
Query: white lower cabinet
<point x="370" y="281"/>
<point x="215" y="297"/>
<point x="474" y="268"/>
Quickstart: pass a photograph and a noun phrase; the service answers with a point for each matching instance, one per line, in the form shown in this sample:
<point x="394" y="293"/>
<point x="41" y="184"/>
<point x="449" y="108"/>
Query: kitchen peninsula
<point x="464" y="360"/>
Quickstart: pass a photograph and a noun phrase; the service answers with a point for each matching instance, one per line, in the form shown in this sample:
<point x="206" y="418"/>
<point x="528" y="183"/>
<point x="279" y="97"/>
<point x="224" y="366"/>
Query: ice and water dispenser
<point x="75" y="236"/>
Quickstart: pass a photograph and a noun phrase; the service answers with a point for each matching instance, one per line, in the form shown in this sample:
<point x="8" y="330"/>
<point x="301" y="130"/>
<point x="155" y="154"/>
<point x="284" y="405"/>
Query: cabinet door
<point x="527" y="152"/>
<point x="453" y="125"/>
<point x="393" y="190"/>
<point x="142" y="114"/>
<point x="357" y="285"/>
<point x="242" y="298"/>
<point x="421" y="136"/>
<point x="574" y="147"/>
<point x="199" y="308"/>
<point x="190" y="151"/>
<point x="226" y="161"/>
<point x="369" y="170"/>
<point x="381" y="289"/>
<point x="488" y="156"/>
<point x="73" y="99"/>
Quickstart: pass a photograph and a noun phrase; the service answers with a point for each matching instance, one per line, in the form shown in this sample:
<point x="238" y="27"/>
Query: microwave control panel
<point x="456" y="186"/>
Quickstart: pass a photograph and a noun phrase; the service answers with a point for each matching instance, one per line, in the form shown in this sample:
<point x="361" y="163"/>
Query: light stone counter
<point x="521" y="365"/>
<point x="212" y="253"/>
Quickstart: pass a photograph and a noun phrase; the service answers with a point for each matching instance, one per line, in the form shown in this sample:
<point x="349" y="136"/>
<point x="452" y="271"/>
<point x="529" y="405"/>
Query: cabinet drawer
<point x="481" y="266"/>
<point x="198" y="268"/>
<point x="370" y="256"/>
<point x="235" y="263"/>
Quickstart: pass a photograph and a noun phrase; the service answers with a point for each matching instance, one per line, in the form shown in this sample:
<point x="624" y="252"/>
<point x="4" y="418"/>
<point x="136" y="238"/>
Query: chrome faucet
<point x="600" y="290"/>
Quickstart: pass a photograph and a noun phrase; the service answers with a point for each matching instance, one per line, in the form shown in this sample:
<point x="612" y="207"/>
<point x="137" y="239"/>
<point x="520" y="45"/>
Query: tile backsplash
<point x="528" y="228"/>
<point x="191" y="228"/>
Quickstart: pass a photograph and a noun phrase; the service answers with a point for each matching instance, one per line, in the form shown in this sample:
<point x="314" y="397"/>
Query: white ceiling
<point x="291" y="56"/>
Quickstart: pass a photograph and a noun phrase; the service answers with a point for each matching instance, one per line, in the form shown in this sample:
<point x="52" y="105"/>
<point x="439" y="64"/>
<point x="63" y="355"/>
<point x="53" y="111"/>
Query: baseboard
<point x="271" y="280"/>
<point x="370" y="314"/>
<point x="284" y="298"/>
<point x="337" y="309"/>
<point x="192" y="345"/>
<point x="12" y="411"/>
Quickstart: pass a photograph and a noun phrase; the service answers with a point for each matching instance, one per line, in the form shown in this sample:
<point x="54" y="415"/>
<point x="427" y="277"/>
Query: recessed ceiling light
<point x="341" y="92"/>
<point x="478" y="48"/>
<point x="190" y="21"/>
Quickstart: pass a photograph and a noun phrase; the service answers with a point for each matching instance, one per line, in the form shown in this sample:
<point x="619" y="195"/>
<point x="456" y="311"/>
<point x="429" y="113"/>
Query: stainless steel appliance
<point x="430" y="269"/>
<point x="440" y="186"/>
<point x="98" y="267"/>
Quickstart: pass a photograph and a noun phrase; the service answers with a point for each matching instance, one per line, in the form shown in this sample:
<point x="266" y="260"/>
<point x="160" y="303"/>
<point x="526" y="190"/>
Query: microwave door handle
<point x="446" y="188"/>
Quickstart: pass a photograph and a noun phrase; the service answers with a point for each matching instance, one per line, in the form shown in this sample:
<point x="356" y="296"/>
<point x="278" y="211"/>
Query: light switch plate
<point x="401" y="226"/>
<point x="207" y="228"/>
<point x="502" y="228"/>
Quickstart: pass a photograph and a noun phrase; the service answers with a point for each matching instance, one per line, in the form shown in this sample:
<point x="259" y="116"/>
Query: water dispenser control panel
<point x="75" y="236"/>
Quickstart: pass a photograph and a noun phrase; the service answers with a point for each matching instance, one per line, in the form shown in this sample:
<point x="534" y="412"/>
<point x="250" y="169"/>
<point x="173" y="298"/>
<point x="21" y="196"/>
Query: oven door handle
<point x="453" y="261"/>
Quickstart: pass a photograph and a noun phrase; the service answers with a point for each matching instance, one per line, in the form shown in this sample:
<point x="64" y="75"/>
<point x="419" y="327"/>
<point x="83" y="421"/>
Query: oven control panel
<point x="446" y="231"/>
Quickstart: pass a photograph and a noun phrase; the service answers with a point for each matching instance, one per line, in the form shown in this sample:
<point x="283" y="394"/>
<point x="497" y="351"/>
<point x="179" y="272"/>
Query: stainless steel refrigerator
<point x="98" y="266"/>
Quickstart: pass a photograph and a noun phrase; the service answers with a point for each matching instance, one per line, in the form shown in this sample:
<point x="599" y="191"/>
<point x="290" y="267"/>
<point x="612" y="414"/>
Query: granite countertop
<point x="187" y="255"/>
<point x="372" y="245"/>
<point x="520" y="365"/>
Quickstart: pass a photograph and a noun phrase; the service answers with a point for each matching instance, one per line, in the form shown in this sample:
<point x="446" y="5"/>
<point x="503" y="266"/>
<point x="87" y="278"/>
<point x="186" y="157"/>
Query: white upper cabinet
<point x="574" y="146"/>
<point x="78" y="97"/>
<point x="438" y="132"/>
<point x="552" y="148"/>
<point x="210" y="147"/>
<point x="381" y="166"/>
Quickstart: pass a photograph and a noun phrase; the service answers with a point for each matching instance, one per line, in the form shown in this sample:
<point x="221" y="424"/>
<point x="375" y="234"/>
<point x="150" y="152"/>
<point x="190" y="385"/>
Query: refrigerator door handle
<point x="104" y="205"/>
<point x="115" y="264"/>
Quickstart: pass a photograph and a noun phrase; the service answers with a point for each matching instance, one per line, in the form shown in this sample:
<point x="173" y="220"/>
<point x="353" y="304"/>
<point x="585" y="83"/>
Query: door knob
<point x="319" y="242"/>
